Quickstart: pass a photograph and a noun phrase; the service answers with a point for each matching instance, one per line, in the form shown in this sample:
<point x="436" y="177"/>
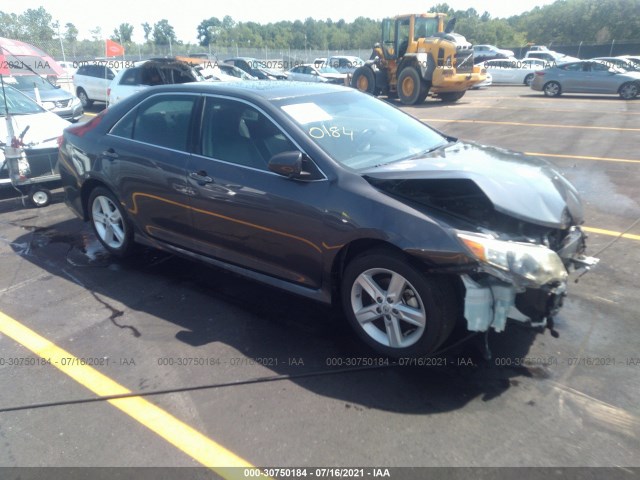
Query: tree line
<point x="563" y="22"/>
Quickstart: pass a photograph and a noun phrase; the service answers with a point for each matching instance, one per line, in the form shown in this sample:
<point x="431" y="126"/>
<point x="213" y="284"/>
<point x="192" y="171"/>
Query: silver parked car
<point x="587" y="76"/>
<point x="322" y="74"/>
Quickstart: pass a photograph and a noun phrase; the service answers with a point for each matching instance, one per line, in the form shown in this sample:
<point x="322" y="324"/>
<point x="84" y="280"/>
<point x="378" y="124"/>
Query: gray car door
<point x="245" y="214"/>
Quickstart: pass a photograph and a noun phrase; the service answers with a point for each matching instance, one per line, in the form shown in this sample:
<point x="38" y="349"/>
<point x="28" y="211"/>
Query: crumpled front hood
<point x="527" y="188"/>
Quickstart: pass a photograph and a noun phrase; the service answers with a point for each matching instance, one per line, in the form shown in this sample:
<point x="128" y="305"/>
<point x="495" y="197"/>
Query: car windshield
<point x="28" y="82"/>
<point x="17" y="103"/>
<point x="359" y="131"/>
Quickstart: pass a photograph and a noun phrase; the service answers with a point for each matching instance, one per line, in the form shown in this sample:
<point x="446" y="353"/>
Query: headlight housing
<point x="536" y="264"/>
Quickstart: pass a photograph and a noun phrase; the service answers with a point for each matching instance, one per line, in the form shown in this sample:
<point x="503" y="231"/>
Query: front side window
<point x="162" y="120"/>
<point x="238" y="133"/>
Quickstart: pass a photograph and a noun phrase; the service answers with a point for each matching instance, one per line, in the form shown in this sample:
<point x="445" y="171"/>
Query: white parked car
<point x="514" y="71"/>
<point x="91" y="81"/>
<point x="487" y="82"/>
<point x="311" y="73"/>
<point x="215" y="74"/>
<point x="344" y="63"/>
<point x="44" y="127"/>
<point x="149" y="73"/>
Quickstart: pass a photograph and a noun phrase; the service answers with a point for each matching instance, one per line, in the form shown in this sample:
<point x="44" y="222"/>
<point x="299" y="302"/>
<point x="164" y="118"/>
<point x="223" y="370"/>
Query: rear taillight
<point x="60" y="140"/>
<point x="541" y="73"/>
<point x="82" y="129"/>
<point x="108" y="92"/>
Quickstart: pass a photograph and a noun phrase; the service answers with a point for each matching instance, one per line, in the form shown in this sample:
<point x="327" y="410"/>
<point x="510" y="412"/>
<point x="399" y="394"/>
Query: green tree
<point x="10" y="26"/>
<point x="123" y="33"/>
<point x="71" y="33"/>
<point x="148" y="29"/>
<point x="209" y="31"/>
<point x="163" y="33"/>
<point x="96" y="34"/>
<point x="37" y="24"/>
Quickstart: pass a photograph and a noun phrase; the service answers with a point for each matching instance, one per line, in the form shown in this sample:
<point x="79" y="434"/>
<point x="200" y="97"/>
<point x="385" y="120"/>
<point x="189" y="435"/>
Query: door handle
<point x="201" y="177"/>
<point x="110" y="154"/>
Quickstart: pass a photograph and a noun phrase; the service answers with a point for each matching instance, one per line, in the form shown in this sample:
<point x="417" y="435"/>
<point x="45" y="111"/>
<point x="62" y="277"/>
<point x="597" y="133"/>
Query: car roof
<point x="259" y="89"/>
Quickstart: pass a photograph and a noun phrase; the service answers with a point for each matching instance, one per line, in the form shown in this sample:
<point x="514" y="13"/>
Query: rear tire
<point x="84" y="98"/>
<point x="412" y="89"/>
<point x="628" y="91"/>
<point x="552" y="89"/>
<point x="364" y="80"/>
<point x="394" y="308"/>
<point x="110" y="222"/>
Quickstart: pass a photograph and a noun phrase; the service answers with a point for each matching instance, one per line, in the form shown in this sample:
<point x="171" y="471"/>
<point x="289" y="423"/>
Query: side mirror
<point x="288" y="164"/>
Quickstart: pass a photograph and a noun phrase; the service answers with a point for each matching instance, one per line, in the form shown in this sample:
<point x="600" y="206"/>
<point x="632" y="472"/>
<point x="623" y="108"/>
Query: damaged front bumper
<point x="493" y="294"/>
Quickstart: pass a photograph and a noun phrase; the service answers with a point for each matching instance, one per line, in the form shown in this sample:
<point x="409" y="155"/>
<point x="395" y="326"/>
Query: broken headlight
<point x="534" y="263"/>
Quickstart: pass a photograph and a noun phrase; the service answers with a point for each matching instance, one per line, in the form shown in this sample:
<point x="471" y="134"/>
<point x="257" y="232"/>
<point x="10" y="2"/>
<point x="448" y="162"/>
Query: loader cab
<point x="403" y="34"/>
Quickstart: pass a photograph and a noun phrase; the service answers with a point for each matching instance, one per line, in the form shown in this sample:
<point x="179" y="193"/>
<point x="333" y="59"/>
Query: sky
<point x="185" y="16"/>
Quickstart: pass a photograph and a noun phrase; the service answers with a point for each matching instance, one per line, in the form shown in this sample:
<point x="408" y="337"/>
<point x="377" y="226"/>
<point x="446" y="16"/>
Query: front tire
<point x="552" y="89"/>
<point x="628" y="91"/>
<point x="411" y="88"/>
<point x="364" y="80"/>
<point x="528" y="80"/>
<point x="110" y="222"/>
<point x="394" y="308"/>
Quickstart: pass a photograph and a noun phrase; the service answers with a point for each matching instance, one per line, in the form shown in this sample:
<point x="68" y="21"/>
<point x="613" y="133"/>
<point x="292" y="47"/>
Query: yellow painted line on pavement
<point x="187" y="439"/>
<point x="583" y="157"/>
<point x="611" y="233"/>
<point x="522" y="124"/>
<point x="528" y="109"/>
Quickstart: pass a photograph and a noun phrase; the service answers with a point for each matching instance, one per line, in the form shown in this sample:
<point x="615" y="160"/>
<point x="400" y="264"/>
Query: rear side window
<point x="571" y="67"/>
<point x="162" y="120"/>
<point x="131" y="77"/>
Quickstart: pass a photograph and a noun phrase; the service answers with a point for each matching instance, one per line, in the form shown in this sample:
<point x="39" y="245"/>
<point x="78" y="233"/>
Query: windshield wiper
<point x="427" y="151"/>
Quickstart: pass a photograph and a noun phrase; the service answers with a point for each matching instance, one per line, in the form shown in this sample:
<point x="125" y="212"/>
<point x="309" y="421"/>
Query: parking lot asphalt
<point x="201" y="367"/>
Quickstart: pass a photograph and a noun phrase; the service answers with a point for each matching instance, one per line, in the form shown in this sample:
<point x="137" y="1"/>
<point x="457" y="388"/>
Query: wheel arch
<point x="359" y="246"/>
<point x="423" y="62"/>
<point x="87" y="187"/>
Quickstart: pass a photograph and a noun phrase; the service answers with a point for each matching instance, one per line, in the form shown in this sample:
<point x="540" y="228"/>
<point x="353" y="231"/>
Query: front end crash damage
<point x="516" y="216"/>
<point x="523" y="282"/>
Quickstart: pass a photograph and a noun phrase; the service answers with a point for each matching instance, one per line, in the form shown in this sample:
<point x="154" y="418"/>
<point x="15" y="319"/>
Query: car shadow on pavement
<point x="213" y="307"/>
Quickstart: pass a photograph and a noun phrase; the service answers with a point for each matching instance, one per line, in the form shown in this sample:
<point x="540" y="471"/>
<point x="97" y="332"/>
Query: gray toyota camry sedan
<point x="334" y="195"/>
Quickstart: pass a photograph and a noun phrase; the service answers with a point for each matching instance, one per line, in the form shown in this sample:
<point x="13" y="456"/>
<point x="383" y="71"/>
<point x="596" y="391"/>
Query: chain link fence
<point x="91" y="49"/>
